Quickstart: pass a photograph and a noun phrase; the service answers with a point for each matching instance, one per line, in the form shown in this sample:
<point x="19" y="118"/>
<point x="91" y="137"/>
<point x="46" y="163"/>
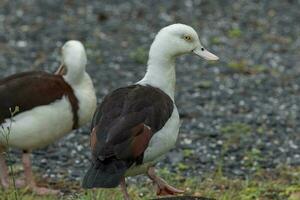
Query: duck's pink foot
<point x="44" y="191"/>
<point x="163" y="188"/>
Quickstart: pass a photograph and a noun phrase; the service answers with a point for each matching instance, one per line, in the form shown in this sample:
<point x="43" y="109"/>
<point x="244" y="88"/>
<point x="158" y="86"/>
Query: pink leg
<point x="3" y="171"/>
<point x="124" y="189"/>
<point x="4" y="178"/>
<point x="163" y="188"/>
<point x="30" y="180"/>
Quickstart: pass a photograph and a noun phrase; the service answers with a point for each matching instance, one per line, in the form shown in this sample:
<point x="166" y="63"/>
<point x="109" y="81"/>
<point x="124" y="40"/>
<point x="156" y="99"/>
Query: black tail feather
<point x="104" y="176"/>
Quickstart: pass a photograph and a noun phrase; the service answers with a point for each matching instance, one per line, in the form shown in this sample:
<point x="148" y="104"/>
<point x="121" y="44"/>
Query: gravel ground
<point x="239" y="115"/>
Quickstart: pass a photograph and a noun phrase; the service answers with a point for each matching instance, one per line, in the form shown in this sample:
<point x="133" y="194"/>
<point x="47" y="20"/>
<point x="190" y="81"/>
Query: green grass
<point x="236" y="128"/>
<point x="243" y="67"/>
<point x="233" y="133"/>
<point x="235" y="33"/>
<point x="279" y="184"/>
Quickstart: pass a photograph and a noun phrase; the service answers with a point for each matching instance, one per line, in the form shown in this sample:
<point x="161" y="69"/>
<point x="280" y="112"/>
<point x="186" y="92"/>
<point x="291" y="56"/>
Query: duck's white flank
<point x="162" y="141"/>
<point x="40" y="126"/>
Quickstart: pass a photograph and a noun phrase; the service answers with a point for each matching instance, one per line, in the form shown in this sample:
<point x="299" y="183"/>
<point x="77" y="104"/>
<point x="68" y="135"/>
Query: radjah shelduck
<point x="50" y="106"/>
<point x="136" y="125"/>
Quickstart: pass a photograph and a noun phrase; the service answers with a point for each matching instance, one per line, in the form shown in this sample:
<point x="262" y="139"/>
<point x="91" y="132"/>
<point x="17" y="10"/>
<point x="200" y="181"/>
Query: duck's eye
<point x="187" y="38"/>
<point x="202" y="49"/>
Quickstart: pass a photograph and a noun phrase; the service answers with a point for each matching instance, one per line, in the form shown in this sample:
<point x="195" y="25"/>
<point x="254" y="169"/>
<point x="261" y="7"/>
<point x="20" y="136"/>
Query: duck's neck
<point x="75" y="74"/>
<point x="161" y="72"/>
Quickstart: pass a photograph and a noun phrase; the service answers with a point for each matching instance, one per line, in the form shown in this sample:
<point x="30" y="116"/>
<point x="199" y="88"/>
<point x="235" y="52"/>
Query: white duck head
<point x="178" y="39"/>
<point x="170" y="42"/>
<point x="73" y="62"/>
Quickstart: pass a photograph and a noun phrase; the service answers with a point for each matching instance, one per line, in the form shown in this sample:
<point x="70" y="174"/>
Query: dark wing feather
<point x="137" y="143"/>
<point x="30" y="89"/>
<point x="127" y="119"/>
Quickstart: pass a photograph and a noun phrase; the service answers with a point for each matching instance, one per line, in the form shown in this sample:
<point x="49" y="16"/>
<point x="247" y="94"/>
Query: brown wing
<point x="30" y="89"/>
<point x="125" y="122"/>
<point x="122" y="127"/>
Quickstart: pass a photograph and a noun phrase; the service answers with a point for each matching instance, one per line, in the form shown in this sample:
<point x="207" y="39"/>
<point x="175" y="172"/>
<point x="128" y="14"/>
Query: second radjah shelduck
<point x="50" y="106"/>
<point x="136" y="125"/>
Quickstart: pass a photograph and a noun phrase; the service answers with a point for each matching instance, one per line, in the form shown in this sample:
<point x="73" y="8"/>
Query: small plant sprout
<point x="5" y="133"/>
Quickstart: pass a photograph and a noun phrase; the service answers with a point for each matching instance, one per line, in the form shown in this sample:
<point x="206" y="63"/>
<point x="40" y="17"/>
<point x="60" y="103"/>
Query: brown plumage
<point x="121" y="130"/>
